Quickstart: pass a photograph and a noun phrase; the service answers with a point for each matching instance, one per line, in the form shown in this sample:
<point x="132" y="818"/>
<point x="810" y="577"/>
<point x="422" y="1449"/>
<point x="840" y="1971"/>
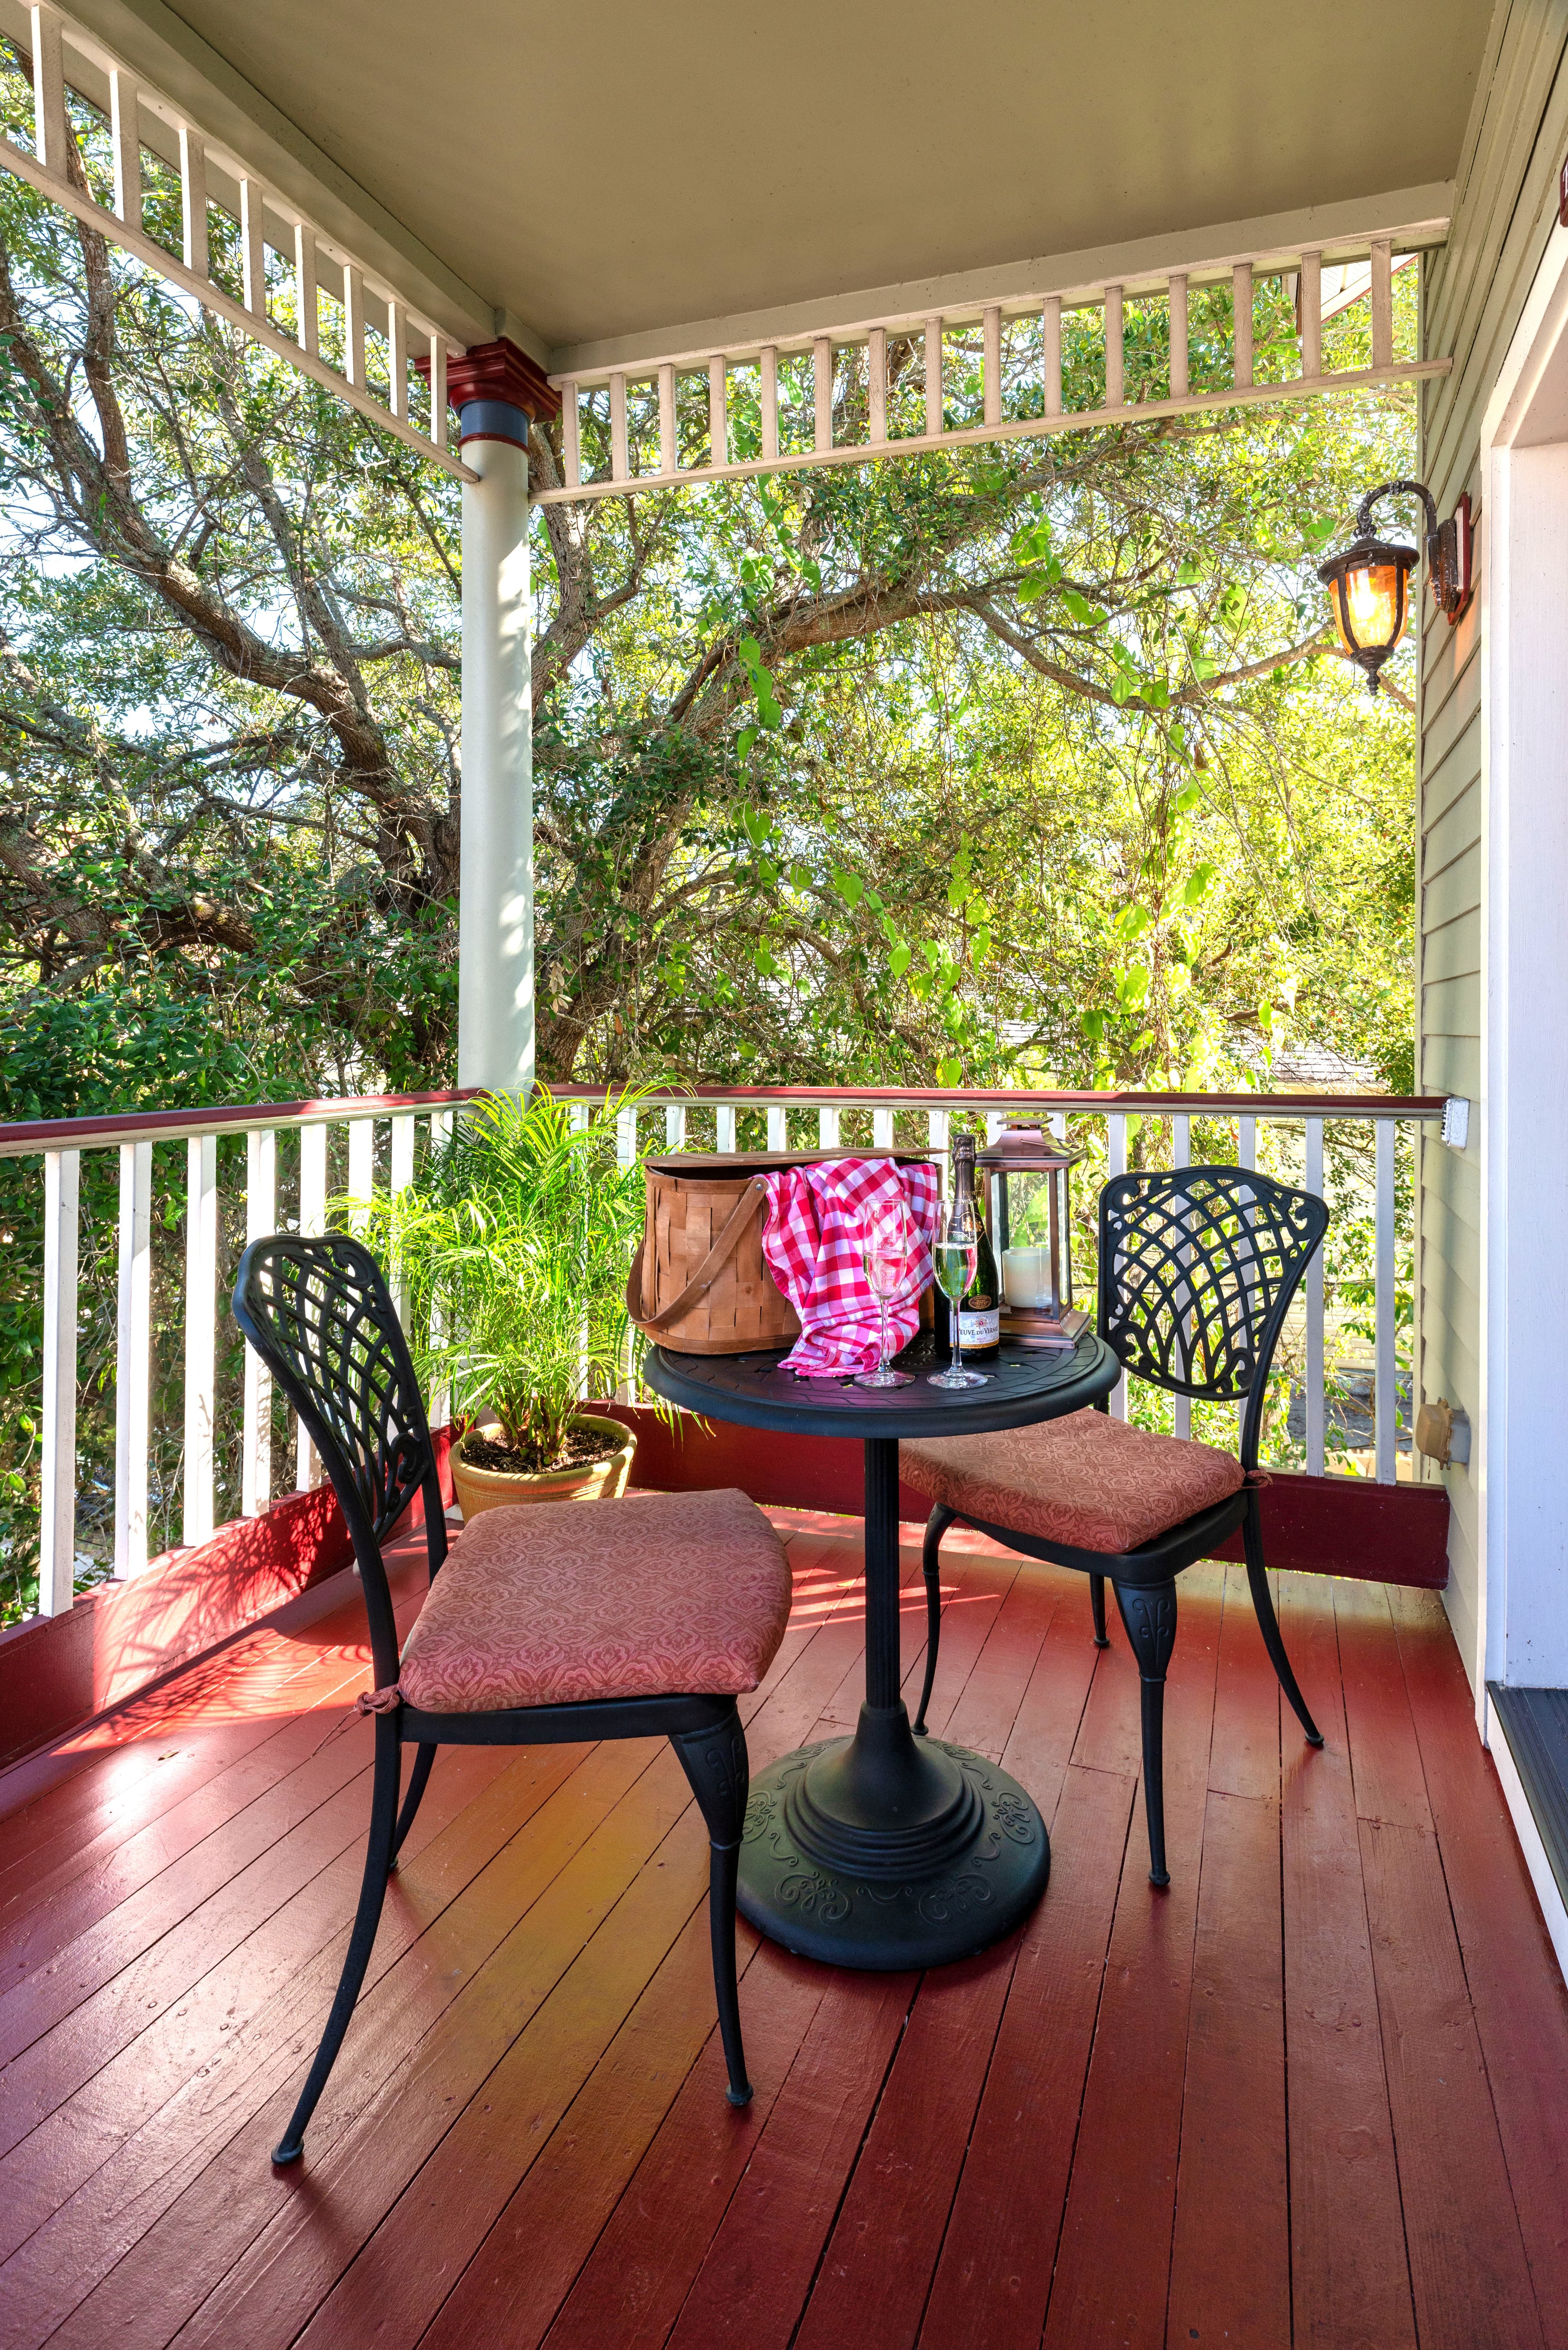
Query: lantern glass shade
<point x="1369" y="591"/>
<point x="1029" y="1175"/>
<point x="1370" y="608"/>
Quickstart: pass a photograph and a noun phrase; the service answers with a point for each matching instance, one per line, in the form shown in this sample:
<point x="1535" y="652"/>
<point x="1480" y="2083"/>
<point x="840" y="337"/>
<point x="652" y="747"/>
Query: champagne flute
<point x="885" y="1258"/>
<point x="954" y="1257"/>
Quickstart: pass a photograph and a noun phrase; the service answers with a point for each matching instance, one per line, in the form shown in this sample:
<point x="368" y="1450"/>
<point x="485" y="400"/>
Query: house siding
<point x="1474" y="292"/>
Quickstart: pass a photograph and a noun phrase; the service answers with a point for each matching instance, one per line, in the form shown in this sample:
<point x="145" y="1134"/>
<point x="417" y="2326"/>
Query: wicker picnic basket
<point x="700" y="1283"/>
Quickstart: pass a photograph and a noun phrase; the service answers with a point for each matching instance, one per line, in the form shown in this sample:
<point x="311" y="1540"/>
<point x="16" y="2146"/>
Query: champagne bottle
<point x="980" y="1315"/>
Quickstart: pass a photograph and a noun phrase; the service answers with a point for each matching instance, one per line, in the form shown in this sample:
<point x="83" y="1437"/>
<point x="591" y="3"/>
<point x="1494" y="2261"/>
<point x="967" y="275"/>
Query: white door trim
<point x="1517" y="1458"/>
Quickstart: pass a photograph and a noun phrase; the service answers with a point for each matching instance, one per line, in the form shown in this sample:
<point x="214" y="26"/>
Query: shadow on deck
<point x="1319" y="2089"/>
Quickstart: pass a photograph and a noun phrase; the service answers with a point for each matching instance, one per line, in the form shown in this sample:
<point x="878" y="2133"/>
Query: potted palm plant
<point x="509" y="1253"/>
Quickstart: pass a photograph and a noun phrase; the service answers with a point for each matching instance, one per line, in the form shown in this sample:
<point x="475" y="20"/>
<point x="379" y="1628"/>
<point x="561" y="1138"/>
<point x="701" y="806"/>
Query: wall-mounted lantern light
<point x="1368" y="585"/>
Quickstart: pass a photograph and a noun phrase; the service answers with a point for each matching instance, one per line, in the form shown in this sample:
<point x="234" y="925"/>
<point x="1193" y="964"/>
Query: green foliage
<point x="1031" y="763"/>
<point x="513" y="1251"/>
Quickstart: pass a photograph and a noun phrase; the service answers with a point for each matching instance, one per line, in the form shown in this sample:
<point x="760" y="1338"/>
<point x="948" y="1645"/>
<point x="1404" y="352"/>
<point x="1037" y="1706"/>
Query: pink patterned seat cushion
<point x="1088" y="1480"/>
<point x="561" y="1601"/>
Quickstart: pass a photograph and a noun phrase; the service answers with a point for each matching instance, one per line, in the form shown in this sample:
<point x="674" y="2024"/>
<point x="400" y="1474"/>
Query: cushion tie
<point x="382" y="1701"/>
<point x="1259" y="1477"/>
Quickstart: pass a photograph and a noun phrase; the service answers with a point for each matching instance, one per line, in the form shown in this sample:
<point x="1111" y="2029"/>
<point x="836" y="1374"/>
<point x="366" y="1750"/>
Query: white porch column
<point x="496" y="389"/>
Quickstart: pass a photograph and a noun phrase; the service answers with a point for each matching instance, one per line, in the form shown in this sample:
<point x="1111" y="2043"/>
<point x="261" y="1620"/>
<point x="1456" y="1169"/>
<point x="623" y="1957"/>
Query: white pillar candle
<point x="1026" y="1276"/>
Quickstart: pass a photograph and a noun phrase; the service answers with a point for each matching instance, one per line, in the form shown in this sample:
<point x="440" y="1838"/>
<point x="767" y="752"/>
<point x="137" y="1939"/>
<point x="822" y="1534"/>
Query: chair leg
<point x="1098" y="1607"/>
<point x="1148" y="1618"/>
<point x="419" y="1778"/>
<point x="714" y="1762"/>
<point x="937" y="1525"/>
<point x="372" y="1892"/>
<point x="1269" y="1624"/>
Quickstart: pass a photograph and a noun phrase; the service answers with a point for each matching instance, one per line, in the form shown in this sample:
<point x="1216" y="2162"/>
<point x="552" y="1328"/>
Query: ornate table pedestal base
<point x="888" y="1851"/>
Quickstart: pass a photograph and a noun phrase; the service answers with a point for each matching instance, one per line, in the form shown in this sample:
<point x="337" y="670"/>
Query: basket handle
<point x="745" y="1212"/>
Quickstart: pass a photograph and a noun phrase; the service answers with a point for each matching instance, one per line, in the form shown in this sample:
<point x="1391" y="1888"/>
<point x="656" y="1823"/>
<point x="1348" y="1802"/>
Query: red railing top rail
<point x="1198" y="1105"/>
<point x="17" y="1140"/>
<point x="171" y="1124"/>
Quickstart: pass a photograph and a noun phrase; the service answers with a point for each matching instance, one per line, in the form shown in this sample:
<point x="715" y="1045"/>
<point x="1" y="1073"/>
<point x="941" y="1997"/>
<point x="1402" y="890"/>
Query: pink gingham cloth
<point x="816" y="1218"/>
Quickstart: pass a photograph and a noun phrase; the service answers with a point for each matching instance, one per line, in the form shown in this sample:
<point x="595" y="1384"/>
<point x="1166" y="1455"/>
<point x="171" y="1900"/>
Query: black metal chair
<point x="318" y="1314"/>
<point x="1198" y="1269"/>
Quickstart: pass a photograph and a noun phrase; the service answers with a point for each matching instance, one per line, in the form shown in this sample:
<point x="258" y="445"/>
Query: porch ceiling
<point x="594" y="176"/>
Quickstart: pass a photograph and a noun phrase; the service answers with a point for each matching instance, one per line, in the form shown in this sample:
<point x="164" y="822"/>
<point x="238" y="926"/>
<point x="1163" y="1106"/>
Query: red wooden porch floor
<point x="1316" y="2093"/>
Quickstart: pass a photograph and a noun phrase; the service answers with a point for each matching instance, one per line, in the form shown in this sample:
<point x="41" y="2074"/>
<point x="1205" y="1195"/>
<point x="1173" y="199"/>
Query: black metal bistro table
<point x="883" y="1850"/>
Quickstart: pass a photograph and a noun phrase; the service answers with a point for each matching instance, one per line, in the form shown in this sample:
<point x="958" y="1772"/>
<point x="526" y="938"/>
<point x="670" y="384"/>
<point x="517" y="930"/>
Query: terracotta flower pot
<point x="588" y="1481"/>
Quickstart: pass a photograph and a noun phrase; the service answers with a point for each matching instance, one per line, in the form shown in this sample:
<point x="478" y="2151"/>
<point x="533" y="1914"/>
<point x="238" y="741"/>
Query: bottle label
<point x="980" y="1326"/>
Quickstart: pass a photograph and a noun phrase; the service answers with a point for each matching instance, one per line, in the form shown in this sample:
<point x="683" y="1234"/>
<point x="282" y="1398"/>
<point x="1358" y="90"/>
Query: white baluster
<point x="253" y="250"/>
<point x="626" y="1136"/>
<point x="1315" y="1313"/>
<point x="193" y="202"/>
<point x="725" y="1127"/>
<point x="1181" y="1156"/>
<point x="882" y="1129"/>
<point x="307" y="329"/>
<point x="1312" y="313"/>
<point x="1382" y="303"/>
<point x="571" y="440"/>
<point x="877" y="385"/>
<point x="1116" y="379"/>
<point x="48" y="92"/>
<point x="1179" y="379"/>
<point x="828" y="1128"/>
<point x="1241" y="302"/>
<point x="396" y="361"/>
<point x="361" y="1166"/>
<point x="718" y="411"/>
<point x="669" y="455"/>
<point x="438" y="1404"/>
<point x="200" y="1334"/>
<point x="991" y="337"/>
<point x="1383" y="1399"/>
<point x="311" y="1224"/>
<point x="125" y="136"/>
<point x="1246" y="1155"/>
<point x="620" y="465"/>
<point x="132" y="1367"/>
<point x="768" y="400"/>
<point x="57" y="1495"/>
<point x="437" y="391"/>
<point x="778" y="1127"/>
<point x="261" y="1220"/>
<point x="399" y="1176"/>
<point x="401" y="1170"/>
<point x="1116" y="1164"/>
<point x="938" y="1123"/>
<point x="353" y="325"/>
<point x="675" y="1126"/>
<point x="934" y="416"/>
<point x="822" y="392"/>
<point x="1050" y="340"/>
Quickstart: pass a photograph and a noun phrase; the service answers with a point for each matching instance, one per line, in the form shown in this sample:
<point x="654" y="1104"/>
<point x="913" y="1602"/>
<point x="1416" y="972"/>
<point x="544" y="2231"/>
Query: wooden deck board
<point x="1349" y="2269"/>
<point x="1317" y="2090"/>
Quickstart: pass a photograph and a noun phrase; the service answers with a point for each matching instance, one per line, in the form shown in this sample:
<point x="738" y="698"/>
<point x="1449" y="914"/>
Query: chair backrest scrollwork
<point x="1198" y="1269"/>
<point x="318" y="1314"/>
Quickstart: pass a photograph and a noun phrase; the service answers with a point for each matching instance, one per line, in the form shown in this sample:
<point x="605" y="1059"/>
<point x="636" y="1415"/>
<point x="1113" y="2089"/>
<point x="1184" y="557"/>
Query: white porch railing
<point x="378" y="1138"/>
<point x="68" y="61"/>
<point x="771" y="406"/>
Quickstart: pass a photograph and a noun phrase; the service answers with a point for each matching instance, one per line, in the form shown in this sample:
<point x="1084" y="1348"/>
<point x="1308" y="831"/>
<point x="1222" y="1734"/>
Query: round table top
<point x="1023" y="1386"/>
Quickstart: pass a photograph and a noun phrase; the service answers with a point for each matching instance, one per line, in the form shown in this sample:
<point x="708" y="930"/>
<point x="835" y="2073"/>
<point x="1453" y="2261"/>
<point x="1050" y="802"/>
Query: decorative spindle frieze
<point x="1082" y="329"/>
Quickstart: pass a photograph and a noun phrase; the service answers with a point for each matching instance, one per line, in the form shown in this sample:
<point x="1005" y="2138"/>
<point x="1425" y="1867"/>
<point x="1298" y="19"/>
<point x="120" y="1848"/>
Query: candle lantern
<point x="1368" y="583"/>
<point x="1030" y="1174"/>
